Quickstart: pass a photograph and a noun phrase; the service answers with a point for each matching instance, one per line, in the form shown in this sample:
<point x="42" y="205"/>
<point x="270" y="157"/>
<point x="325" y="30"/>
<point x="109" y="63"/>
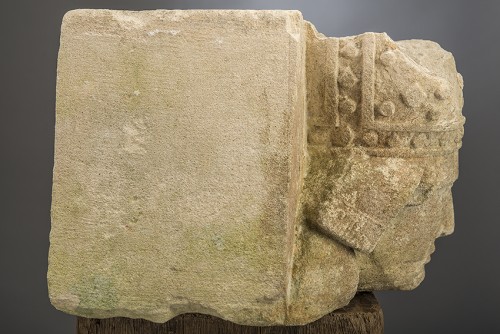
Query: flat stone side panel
<point x="178" y="162"/>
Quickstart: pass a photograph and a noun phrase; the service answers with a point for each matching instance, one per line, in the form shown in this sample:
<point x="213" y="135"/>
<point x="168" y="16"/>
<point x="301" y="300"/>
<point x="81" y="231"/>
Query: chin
<point x="405" y="277"/>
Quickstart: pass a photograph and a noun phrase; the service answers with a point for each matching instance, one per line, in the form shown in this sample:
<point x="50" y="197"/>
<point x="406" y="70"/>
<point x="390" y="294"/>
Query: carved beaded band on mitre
<point x="367" y="111"/>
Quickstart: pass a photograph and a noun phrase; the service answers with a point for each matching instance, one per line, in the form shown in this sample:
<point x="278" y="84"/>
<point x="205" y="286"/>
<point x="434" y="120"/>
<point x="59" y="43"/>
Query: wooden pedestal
<point x="363" y="315"/>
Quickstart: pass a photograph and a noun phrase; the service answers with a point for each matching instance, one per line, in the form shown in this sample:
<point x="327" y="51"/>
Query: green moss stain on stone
<point x="97" y="293"/>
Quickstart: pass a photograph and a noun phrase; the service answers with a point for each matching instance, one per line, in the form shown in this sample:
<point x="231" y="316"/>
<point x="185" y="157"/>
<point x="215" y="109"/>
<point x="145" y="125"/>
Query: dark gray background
<point x="461" y="291"/>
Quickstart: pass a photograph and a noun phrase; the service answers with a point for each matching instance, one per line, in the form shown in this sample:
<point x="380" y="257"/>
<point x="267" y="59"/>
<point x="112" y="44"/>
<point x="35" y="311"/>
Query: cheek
<point x="414" y="233"/>
<point x="400" y="256"/>
<point x="414" y="230"/>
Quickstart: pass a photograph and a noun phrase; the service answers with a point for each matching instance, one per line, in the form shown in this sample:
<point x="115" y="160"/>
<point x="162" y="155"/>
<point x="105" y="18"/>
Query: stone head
<point x="395" y="128"/>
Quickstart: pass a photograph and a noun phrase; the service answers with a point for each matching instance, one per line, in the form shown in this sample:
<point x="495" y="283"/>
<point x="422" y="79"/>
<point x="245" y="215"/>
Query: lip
<point x="431" y="251"/>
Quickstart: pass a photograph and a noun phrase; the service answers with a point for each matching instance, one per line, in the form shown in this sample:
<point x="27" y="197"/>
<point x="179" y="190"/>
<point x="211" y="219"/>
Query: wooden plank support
<point x="363" y="315"/>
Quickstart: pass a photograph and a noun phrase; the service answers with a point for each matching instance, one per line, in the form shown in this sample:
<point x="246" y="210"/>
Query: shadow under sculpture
<point x="241" y="164"/>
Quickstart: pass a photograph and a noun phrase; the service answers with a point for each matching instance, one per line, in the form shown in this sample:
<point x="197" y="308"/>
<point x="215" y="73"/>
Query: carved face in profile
<point x="397" y="261"/>
<point x="396" y="132"/>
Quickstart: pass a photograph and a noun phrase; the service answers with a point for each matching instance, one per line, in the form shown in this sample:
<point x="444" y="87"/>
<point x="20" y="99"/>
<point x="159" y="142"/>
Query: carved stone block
<point x="240" y="164"/>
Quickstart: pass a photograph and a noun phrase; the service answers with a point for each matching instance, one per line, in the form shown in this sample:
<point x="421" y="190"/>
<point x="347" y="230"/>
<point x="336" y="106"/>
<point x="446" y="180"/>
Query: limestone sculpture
<point x="243" y="165"/>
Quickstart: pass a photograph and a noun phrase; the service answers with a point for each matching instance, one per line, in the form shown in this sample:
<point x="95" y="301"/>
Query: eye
<point x="420" y="194"/>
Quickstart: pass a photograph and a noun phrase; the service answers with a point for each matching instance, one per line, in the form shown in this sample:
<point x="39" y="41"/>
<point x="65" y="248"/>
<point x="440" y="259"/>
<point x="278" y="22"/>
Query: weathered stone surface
<point x="398" y="259"/>
<point x="179" y="148"/>
<point x="388" y="156"/>
<point x="242" y="165"/>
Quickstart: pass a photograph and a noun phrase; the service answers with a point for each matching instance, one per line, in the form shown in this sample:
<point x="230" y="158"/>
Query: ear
<point x="365" y="198"/>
